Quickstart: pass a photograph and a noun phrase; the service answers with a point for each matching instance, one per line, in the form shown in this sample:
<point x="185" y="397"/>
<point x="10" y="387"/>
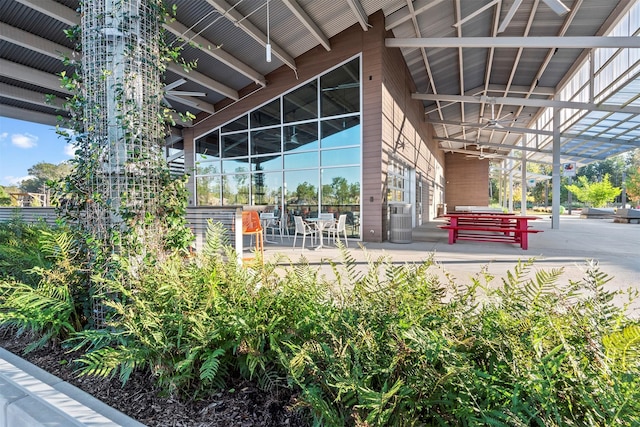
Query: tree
<point x="633" y="185"/>
<point x="43" y="172"/>
<point x="5" y="199"/>
<point x="598" y="194"/>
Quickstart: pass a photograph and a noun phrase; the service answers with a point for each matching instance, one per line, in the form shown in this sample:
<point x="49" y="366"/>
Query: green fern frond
<point x="211" y="365"/>
<point x="58" y="245"/>
<point x="544" y="285"/>
<point x="623" y="345"/>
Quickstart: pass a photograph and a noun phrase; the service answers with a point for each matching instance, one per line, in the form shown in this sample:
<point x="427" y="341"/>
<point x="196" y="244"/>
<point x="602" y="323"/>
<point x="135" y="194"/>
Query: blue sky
<point x="23" y="144"/>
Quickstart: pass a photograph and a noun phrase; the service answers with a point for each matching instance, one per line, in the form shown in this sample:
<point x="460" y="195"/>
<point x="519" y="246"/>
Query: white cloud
<point x="14" y="180"/>
<point x="70" y="150"/>
<point x="4" y="135"/>
<point x="24" y="140"/>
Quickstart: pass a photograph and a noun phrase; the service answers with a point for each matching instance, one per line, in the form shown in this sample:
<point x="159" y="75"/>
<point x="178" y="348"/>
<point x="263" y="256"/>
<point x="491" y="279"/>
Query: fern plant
<point x="56" y="306"/>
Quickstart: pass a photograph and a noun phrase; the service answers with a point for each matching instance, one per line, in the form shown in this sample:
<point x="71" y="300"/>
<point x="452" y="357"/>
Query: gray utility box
<point x="400" y="223"/>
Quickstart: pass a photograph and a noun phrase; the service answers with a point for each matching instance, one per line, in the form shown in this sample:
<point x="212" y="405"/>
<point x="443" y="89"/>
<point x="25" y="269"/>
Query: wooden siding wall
<point x="467" y="181"/>
<point x="393" y="123"/>
<point x="406" y="136"/>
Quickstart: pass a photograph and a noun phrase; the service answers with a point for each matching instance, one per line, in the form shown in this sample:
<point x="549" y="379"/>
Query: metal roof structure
<point x="491" y="73"/>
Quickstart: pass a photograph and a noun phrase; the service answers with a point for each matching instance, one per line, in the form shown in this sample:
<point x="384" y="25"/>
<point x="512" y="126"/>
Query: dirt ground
<point x="242" y="404"/>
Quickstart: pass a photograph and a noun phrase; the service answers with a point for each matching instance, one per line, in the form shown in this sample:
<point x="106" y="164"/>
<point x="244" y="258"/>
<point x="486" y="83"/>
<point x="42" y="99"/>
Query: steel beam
<point x="585" y="42"/>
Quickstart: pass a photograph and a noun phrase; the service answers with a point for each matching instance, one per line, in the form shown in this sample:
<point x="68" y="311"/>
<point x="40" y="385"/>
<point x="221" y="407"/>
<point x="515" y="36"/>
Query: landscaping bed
<point x="243" y="404"/>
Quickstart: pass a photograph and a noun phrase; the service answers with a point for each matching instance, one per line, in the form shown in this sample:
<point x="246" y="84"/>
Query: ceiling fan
<point x="179" y="96"/>
<point x="494" y="122"/>
<point x="484" y="155"/>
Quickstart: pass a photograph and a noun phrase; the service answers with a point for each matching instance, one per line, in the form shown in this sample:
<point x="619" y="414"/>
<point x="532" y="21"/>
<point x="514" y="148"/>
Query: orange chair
<point x="251" y="226"/>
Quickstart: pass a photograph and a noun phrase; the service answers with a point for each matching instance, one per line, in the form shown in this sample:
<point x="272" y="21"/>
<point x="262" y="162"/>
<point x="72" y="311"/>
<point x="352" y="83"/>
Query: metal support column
<point x="555" y="175"/>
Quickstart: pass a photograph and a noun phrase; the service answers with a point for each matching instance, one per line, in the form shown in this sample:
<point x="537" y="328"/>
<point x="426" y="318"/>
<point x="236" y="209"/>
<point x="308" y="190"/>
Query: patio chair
<point x="339" y="227"/>
<point x="251" y="226"/>
<point x="305" y="229"/>
<point x="270" y="222"/>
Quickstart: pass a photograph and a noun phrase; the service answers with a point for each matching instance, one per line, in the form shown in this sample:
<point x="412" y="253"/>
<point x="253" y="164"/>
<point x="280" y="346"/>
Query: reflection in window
<point x="302" y="103"/>
<point x="235" y="189"/>
<point x="267" y="188"/>
<point x="266" y="141"/>
<point x="340" y="132"/>
<point x="346" y="156"/>
<point x="235" y="145"/>
<point x="267" y="115"/>
<point x="301" y="192"/>
<point x="341" y="186"/>
<point x="267" y="163"/>
<point x="235" y="166"/>
<point x="303" y="136"/>
<point x="208" y="168"/>
<point x="301" y="160"/>
<point x="208" y="190"/>
<point x="207" y="147"/>
<point x="241" y="123"/>
<point x="340" y="90"/>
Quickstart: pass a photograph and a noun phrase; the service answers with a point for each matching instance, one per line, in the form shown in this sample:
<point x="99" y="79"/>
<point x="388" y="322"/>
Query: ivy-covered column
<point x="121" y="71"/>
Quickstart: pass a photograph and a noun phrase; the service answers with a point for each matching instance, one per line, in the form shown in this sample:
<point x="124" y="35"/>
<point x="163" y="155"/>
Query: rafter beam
<point x="505" y="129"/>
<point x="215" y="52"/>
<point x="360" y="14"/>
<point x="229" y="12"/>
<point x="309" y="24"/>
<point x="32" y="76"/>
<point x="539" y="90"/>
<point x="28" y="115"/>
<point x="32" y="42"/>
<point x="528" y="102"/>
<point x="405" y="14"/>
<point x="491" y="144"/>
<point x="54" y="9"/>
<point x="205" y="81"/>
<point x="30" y="96"/>
<point x="192" y="101"/>
<point x="516" y="42"/>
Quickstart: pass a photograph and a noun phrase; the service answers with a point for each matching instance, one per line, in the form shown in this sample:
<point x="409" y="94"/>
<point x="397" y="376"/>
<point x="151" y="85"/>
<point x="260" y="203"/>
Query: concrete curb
<point x="32" y="397"/>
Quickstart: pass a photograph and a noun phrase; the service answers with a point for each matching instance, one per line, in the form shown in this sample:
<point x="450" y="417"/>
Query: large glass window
<point x="266" y="115"/>
<point x="235" y="145"/>
<point x="300" y="152"/>
<point x="340" y="90"/>
<point x="302" y="103"/>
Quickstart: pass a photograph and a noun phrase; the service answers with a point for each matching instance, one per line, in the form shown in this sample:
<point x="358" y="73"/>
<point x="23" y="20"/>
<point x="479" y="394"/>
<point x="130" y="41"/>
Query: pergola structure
<point x="516" y="81"/>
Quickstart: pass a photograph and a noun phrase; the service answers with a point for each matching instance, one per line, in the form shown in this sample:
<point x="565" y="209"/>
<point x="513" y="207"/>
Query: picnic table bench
<point x="485" y="227"/>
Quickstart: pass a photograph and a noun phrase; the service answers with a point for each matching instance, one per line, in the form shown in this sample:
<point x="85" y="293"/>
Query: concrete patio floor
<point x="616" y="248"/>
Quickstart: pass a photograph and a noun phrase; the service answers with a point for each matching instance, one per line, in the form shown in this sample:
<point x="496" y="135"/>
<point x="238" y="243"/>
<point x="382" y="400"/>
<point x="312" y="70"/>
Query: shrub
<point x="19" y="250"/>
<point x="53" y="302"/>
<point x="387" y="345"/>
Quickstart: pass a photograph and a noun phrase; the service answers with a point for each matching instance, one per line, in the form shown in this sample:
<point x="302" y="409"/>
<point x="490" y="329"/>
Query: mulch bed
<point x="242" y="404"/>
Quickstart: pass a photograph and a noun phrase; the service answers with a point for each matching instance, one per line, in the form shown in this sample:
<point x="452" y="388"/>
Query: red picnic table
<point x="490" y="227"/>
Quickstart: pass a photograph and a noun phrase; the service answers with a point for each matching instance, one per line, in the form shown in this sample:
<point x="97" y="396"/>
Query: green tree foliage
<point x="5" y="199"/>
<point x="598" y="194"/>
<point x="633" y="185"/>
<point x="307" y="193"/>
<point x="43" y="172"/>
